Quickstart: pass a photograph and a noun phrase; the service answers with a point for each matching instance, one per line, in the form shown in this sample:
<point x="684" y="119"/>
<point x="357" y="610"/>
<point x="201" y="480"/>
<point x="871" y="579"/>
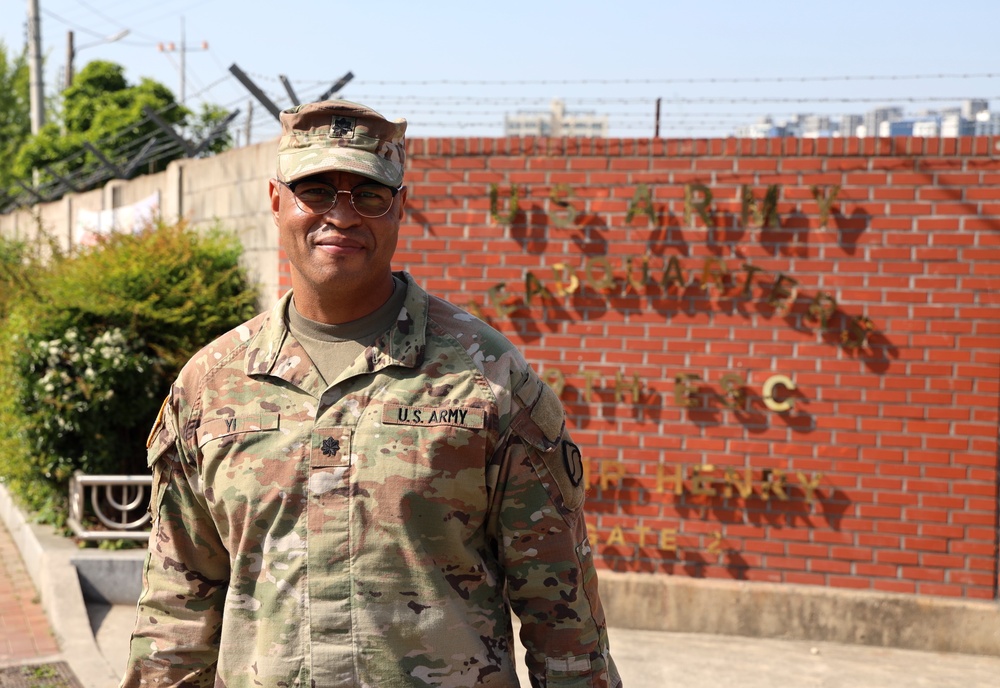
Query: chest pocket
<point x="428" y="463"/>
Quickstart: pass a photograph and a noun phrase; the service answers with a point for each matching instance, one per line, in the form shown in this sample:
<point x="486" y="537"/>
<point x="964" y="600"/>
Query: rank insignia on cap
<point x="342" y="128"/>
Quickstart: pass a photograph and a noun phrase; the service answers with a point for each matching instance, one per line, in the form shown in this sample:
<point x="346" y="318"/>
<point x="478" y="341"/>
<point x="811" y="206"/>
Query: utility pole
<point x="249" y="120"/>
<point x="70" y="54"/>
<point x="183" y="50"/>
<point x="72" y="50"/>
<point x="36" y="77"/>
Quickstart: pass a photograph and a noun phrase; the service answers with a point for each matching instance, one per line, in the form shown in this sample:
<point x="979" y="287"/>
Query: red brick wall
<point x="883" y="474"/>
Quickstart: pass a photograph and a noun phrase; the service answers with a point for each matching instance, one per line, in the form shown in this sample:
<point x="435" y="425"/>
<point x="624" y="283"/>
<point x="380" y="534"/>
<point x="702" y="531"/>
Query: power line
<point x="544" y="102"/>
<point x="70" y="24"/>
<point x="100" y="14"/>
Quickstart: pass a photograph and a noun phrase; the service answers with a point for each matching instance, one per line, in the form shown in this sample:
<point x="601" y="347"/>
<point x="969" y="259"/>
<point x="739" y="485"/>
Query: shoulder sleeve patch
<point x="543" y="427"/>
<point x="566" y="467"/>
<point x="158" y="423"/>
<point x="162" y="438"/>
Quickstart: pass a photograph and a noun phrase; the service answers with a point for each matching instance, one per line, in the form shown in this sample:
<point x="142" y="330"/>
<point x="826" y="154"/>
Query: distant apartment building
<point x="764" y="128"/>
<point x="971" y="108"/>
<point x="987" y="124"/>
<point x="556" y="122"/>
<point x="872" y="121"/>
<point x="849" y="125"/>
<point x="972" y="118"/>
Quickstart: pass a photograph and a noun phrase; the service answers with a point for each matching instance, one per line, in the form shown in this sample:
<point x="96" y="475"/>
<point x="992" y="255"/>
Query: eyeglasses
<point x="368" y="200"/>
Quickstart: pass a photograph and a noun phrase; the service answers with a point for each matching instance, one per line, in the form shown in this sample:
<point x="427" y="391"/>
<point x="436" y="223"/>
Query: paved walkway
<point x="25" y="635"/>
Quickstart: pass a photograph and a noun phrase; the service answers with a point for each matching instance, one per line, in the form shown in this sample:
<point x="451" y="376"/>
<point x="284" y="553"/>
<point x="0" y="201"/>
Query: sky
<point x="455" y="68"/>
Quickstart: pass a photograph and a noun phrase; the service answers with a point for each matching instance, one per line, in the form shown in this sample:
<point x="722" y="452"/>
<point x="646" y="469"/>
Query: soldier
<point x="359" y="486"/>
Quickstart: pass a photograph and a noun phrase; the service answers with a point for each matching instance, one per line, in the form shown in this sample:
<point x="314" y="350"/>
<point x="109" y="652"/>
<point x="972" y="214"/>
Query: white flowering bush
<point x="89" y="345"/>
<point x="77" y="391"/>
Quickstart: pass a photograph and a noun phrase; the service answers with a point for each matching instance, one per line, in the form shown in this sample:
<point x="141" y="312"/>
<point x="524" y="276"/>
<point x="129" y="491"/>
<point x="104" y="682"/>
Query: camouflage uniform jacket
<point x="375" y="532"/>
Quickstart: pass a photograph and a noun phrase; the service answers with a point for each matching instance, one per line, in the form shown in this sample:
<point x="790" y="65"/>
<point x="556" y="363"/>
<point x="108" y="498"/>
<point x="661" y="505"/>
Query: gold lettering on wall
<point x="611" y="472"/>
<point x="499" y="302"/>
<point x="769" y="397"/>
<point x="822" y="308"/>
<point x="513" y="205"/>
<point x="673" y="275"/>
<point x="754" y="214"/>
<point x="634" y="387"/>
<point x="674" y="479"/>
<point x="564" y="288"/>
<point x="606" y="281"/>
<point x="751" y="270"/>
<point x="632" y="283"/>
<point x="856" y="334"/>
<point x="714" y="272"/>
<point x="588" y="383"/>
<point x="697" y="199"/>
<point x="683" y="390"/>
<point x="733" y="392"/>
<point x="566" y="217"/>
<point x="642" y="202"/>
<point x="534" y="287"/>
<point x="555" y="379"/>
<point x="615" y="537"/>
<point x="825" y="200"/>
<point x="709" y="480"/>
<point x="701" y="480"/>
<point x="782" y="298"/>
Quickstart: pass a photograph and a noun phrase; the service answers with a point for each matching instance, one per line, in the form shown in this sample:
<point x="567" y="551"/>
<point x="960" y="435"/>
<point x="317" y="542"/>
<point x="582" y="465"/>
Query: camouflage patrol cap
<point x="342" y="136"/>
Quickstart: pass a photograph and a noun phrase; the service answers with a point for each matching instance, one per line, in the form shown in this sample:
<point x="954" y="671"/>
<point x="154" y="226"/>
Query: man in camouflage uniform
<point x="356" y="488"/>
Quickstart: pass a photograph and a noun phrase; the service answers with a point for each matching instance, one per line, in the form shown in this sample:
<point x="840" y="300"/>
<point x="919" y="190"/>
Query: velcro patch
<point x="215" y="428"/>
<point x="549" y="416"/>
<point x="568" y="665"/>
<point x="397" y="414"/>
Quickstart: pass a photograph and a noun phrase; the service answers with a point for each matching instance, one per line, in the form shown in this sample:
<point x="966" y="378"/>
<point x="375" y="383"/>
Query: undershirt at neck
<point x="333" y="348"/>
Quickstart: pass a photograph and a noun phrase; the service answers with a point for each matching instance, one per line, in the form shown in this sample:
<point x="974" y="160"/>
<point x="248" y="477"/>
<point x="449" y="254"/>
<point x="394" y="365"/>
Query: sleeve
<point x="185" y="578"/>
<point x="544" y="550"/>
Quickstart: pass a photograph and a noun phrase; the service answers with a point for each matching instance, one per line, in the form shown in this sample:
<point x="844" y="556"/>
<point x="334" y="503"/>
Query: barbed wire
<point x="643" y="82"/>
<point x="462" y="112"/>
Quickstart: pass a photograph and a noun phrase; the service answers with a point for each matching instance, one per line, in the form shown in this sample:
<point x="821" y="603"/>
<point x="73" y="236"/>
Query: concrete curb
<point x="48" y="559"/>
<point x="799" y="612"/>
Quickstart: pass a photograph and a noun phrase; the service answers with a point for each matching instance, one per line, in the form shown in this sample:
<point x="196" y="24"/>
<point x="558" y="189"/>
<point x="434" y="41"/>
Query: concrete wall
<point x="229" y="190"/>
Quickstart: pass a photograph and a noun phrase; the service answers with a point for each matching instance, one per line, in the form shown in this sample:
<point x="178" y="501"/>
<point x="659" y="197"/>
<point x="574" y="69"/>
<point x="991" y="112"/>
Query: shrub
<point x="88" y="354"/>
<point x="15" y="267"/>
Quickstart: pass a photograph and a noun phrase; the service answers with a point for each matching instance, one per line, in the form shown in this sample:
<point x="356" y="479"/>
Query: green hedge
<point x="90" y="343"/>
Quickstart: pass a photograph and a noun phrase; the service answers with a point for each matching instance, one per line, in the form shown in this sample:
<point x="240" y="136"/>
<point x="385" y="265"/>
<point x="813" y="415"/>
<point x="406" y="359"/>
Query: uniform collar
<point x="273" y="351"/>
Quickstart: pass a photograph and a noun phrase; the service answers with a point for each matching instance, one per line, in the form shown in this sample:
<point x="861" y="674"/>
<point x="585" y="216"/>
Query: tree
<point x="101" y="108"/>
<point x="210" y="117"/>
<point x="15" y="110"/>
